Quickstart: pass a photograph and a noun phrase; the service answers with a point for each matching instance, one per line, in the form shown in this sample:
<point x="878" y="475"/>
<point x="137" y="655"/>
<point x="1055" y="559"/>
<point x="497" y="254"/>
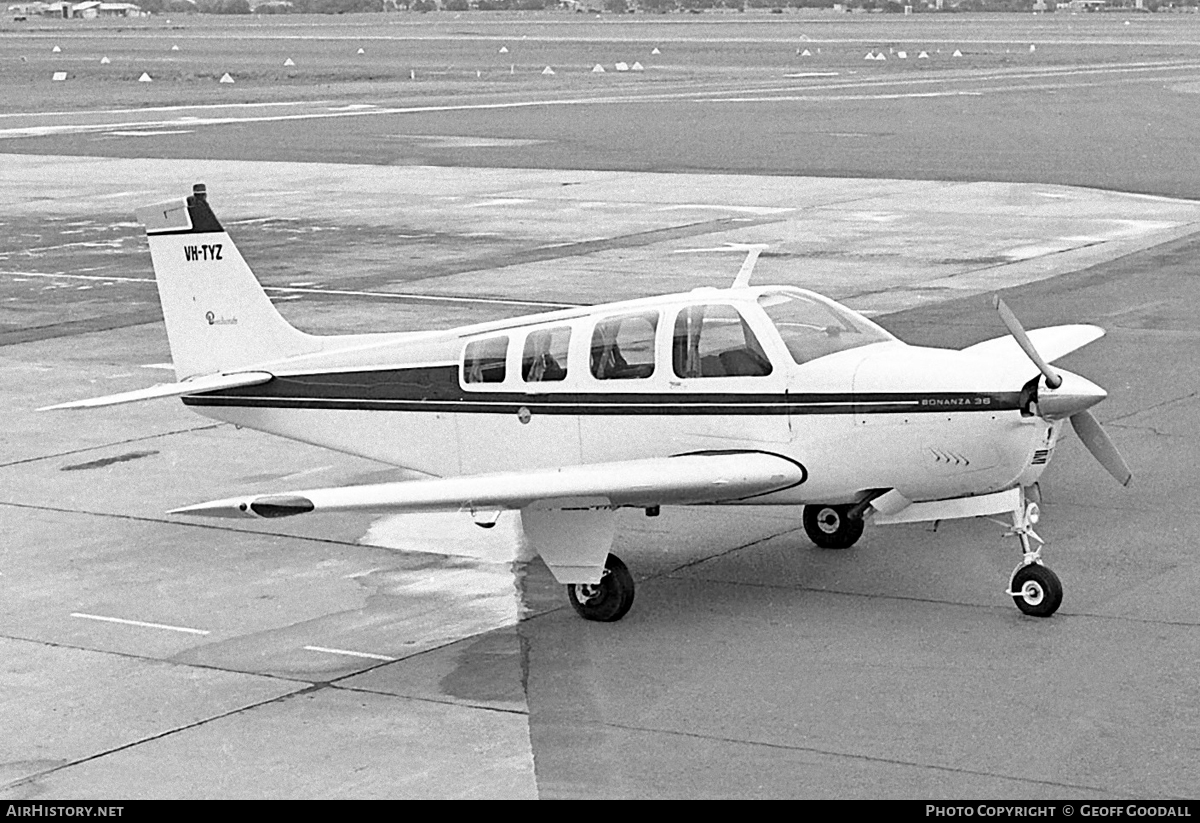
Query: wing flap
<point x="1051" y="343"/>
<point x="681" y="480"/>
<point x="194" y="385"/>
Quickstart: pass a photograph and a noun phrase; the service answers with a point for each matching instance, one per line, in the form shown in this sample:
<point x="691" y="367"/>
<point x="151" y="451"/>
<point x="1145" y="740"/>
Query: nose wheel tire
<point x="608" y="600"/>
<point x="830" y="527"/>
<point x="1036" y="590"/>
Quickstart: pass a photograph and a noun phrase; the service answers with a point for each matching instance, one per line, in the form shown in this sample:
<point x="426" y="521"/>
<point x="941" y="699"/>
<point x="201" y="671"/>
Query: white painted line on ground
<point x="156" y="133"/>
<point x="367" y="655"/>
<point x="140" y="623"/>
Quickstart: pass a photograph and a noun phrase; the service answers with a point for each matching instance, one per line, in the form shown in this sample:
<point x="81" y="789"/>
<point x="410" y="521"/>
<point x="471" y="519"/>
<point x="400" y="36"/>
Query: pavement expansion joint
<point x="1096" y="790"/>
<point x="460" y="704"/>
<point x="150" y="738"/>
<point x="115" y="443"/>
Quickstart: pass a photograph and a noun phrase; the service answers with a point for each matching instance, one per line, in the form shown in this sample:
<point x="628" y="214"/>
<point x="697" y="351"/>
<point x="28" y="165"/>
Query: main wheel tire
<point x="1038" y="590"/>
<point x="608" y="600"/>
<point x="830" y="528"/>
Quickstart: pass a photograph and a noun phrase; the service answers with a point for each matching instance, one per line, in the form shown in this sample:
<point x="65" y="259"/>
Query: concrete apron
<point x="281" y="610"/>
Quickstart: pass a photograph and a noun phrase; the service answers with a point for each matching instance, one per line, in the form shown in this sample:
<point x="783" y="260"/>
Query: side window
<point x="483" y="360"/>
<point x="545" y="356"/>
<point x="623" y="347"/>
<point x="715" y="341"/>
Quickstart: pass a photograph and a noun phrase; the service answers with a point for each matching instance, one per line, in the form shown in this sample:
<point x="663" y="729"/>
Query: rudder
<point x="218" y="317"/>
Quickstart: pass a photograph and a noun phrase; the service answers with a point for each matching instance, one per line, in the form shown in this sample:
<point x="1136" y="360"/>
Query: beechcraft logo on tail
<point x="206" y="252"/>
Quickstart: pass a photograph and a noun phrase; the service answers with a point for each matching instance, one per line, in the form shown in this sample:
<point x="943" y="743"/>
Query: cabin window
<point x="483" y="360"/>
<point x="623" y="347"/>
<point x="811" y="328"/>
<point x="715" y="341"/>
<point x="545" y="356"/>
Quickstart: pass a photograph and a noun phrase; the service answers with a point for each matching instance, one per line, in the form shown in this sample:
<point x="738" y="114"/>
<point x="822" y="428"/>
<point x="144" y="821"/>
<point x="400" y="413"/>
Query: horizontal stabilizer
<point x="195" y="385"/>
<point x="715" y="477"/>
<point x="1052" y="343"/>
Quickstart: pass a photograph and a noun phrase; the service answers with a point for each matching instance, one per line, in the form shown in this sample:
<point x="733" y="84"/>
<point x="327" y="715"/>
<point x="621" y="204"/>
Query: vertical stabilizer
<point x="217" y="315"/>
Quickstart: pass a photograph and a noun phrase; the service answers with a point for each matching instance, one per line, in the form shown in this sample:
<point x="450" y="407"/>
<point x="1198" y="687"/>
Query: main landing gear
<point x="608" y="600"/>
<point x="832" y="527"/>
<point x="1035" y="589"/>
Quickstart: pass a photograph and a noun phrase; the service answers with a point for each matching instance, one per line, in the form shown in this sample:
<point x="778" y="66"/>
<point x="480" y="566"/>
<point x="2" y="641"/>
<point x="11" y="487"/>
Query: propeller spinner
<point x="1069" y="396"/>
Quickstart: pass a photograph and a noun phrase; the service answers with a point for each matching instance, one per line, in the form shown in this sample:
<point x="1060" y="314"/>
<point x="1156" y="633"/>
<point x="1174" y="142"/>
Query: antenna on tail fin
<point x="218" y="317"/>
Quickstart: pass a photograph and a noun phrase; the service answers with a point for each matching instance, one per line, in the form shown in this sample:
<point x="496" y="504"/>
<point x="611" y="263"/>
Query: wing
<point x="195" y="385"/>
<point x="1052" y="343"/>
<point x="709" y="477"/>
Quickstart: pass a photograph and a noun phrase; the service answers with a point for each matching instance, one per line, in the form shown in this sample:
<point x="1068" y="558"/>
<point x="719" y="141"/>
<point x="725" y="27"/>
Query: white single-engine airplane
<point x="765" y="395"/>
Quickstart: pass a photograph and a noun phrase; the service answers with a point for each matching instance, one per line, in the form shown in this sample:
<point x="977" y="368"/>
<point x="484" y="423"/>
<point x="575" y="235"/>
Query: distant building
<point x="120" y="10"/>
<point x="91" y="9"/>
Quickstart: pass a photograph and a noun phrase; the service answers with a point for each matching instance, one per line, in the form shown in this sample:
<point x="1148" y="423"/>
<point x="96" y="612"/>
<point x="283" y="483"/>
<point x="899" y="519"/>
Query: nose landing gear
<point x="1034" y="588"/>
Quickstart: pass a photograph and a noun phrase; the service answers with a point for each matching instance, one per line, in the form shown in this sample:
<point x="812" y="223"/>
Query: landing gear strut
<point x="1035" y="589"/>
<point x="831" y="527"/>
<point x="608" y="600"/>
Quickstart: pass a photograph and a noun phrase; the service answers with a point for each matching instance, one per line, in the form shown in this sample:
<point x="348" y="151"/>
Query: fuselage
<point x="773" y="369"/>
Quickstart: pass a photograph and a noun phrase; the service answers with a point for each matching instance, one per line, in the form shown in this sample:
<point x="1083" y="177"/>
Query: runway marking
<point x="760" y="210"/>
<point x="155" y="133"/>
<point x="140" y="623"/>
<point x="367" y="655"/>
<point x="428" y="298"/>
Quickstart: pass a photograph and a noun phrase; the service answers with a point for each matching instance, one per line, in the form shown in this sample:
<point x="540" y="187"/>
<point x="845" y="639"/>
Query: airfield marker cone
<point x="547" y="70"/>
<point x="56" y="50"/>
<point x="923" y="55"/>
<point x="174" y="48"/>
<point x="870" y="56"/>
<point x="362" y="51"/>
<point x="656" y="51"/>
<point x="637" y="67"/>
<point x="145" y="78"/>
<point x="289" y="62"/>
<point x="806" y="53"/>
<point x="504" y="49"/>
<point x="225" y="78"/>
<point x="104" y="61"/>
<point x="957" y="53"/>
<point x="597" y="69"/>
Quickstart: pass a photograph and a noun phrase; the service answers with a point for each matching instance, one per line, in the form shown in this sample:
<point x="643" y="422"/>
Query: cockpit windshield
<point x="812" y="328"/>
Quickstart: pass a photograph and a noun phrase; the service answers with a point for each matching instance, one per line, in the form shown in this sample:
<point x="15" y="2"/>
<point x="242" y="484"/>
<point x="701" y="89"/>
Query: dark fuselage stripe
<point x="437" y="389"/>
<point x="627" y="405"/>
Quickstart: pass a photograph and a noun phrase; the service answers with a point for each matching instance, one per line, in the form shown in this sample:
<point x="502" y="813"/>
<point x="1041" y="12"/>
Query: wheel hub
<point x="1032" y="593"/>
<point x="829" y="521"/>
<point x="590" y="592"/>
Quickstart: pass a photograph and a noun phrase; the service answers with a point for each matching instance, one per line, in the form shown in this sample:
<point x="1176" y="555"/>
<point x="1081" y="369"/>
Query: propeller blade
<point x="1053" y="379"/>
<point x="1096" y="440"/>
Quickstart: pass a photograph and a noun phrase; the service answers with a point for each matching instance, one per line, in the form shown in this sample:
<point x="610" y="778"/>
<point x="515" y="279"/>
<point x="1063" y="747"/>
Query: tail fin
<point x="218" y="317"/>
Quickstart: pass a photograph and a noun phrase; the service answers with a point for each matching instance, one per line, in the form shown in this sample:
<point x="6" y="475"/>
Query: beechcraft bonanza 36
<point x="751" y="395"/>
